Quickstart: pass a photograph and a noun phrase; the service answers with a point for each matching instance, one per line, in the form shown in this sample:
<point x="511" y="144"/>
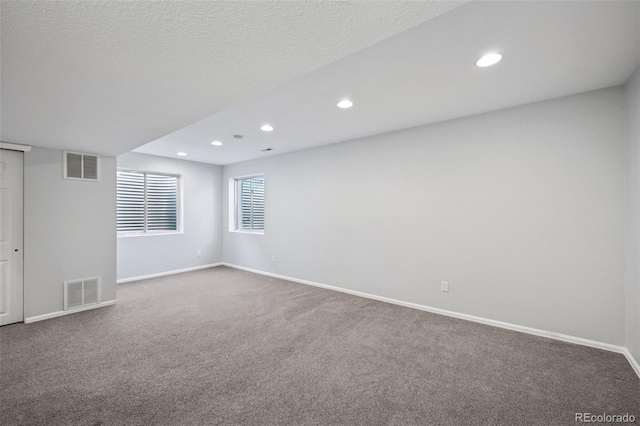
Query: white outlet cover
<point x="444" y="286"/>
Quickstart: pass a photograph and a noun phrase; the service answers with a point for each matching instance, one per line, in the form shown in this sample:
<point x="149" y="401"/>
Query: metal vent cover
<point x="81" y="166"/>
<point x="82" y="292"/>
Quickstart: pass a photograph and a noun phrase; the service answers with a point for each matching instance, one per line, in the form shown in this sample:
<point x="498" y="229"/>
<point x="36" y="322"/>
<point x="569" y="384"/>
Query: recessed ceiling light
<point x="182" y="154"/>
<point x="266" y="127"/>
<point x="488" y="60"/>
<point x="345" y="103"/>
<point x="216" y="143"/>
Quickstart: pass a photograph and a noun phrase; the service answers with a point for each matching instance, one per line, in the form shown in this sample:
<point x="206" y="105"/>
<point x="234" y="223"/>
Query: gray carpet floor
<point x="222" y="346"/>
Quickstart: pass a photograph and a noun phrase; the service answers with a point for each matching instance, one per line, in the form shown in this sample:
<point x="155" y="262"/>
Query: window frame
<point x="234" y="212"/>
<point x="179" y="206"/>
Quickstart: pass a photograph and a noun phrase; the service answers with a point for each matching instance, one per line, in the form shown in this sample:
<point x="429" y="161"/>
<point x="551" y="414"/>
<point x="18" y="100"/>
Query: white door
<point x="11" y="257"/>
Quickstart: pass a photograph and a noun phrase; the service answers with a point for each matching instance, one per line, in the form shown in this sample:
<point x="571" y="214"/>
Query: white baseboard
<point x="72" y="311"/>
<point x="634" y="362"/>
<point x="481" y="320"/>
<point x="162" y="274"/>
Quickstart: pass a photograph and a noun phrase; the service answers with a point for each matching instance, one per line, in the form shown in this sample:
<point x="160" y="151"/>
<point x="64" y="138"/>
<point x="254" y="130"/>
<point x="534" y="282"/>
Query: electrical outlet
<point x="444" y="286"/>
<point x="273" y="258"/>
<point x="199" y="252"/>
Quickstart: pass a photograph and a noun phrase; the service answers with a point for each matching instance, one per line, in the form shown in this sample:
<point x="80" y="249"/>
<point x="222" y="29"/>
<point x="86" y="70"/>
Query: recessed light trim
<point x="345" y="103"/>
<point x="266" y="128"/>
<point x="489" y="59"/>
<point x="182" y="154"/>
<point x="216" y="143"/>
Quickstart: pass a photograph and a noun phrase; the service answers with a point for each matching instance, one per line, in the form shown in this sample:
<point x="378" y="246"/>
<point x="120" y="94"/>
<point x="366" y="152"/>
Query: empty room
<point x="319" y="212"/>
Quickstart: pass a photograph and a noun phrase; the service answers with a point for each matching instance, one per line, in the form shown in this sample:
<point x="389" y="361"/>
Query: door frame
<point x="4" y="146"/>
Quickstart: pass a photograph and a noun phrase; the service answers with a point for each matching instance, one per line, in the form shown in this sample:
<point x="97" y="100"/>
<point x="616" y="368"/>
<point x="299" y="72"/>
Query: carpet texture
<point x="223" y="346"/>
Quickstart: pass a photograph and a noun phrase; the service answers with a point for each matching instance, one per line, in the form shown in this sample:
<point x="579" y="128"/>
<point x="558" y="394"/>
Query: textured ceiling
<point x="109" y="76"/>
<point x="427" y="74"/>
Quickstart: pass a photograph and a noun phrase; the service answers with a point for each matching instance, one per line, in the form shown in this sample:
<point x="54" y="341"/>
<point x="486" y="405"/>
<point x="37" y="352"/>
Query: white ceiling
<point x="428" y="74"/>
<point x="109" y="76"/>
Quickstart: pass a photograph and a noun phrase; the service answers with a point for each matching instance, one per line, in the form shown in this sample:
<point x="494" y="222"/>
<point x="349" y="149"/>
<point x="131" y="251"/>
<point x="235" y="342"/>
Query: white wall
<point x="69" y="230"/>
<point x="521" y="210"/>
<point x="632" y="231"/>
<point x="202" y="226"/>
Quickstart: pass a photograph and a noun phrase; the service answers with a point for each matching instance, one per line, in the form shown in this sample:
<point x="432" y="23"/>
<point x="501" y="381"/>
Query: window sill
<point x="147" y="234"/>
<point x="241" y="231"/>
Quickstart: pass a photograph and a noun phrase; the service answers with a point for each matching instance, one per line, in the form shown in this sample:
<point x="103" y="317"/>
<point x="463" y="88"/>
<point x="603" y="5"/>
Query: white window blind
<point x="250" y="203"/>
<point x="147" y="202"/>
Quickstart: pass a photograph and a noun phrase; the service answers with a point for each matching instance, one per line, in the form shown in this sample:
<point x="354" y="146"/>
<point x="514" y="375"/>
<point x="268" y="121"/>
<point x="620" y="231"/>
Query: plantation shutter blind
<point x="162" y="203"/>
<point x="251" y="203"/>
<point x="130" y="201"/>
<point x="146" y="202"/>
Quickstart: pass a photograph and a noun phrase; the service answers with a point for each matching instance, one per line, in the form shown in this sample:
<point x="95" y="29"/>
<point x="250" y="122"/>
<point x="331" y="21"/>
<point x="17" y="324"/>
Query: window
<point x="147" y="202"/>
<point x="249" y="204"/>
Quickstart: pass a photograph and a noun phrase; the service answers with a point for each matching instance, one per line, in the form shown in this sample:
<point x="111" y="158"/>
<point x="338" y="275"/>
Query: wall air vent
<point x="79" y="293"/>
<point x="81" y="166"/>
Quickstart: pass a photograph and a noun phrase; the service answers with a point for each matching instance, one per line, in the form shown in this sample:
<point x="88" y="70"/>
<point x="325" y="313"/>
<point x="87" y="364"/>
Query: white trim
<point x="247" y="176"/>
<point x="15" y="147"/>
<point x="129" y="234"/>
<point x="162" y="274"/>
<point x="147" y="172"/>
<point x="242" y="231"/>
<point x="61" y="313"/>
<point x="634" y="363"/>
<point x="473" y="318"/>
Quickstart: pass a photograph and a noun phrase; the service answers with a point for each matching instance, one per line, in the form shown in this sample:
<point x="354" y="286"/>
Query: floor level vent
<point x="79" y="293"/>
